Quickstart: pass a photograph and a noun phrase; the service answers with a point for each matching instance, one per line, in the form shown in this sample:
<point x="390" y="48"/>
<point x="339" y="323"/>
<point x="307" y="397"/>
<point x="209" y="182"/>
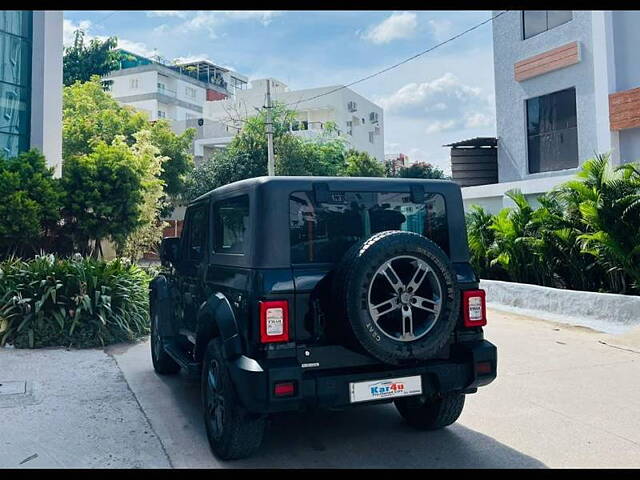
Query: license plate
<point x="387" y="388"/>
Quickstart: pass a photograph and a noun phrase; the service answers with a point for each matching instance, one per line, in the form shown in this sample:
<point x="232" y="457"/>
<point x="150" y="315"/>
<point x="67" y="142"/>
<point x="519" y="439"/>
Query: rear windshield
<point x="322" y="233"/>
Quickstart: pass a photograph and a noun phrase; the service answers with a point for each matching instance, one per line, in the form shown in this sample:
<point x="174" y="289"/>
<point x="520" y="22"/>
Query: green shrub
<point x="79" y="302"/>
<point x="585" y="235"/>
<point x="30" y="205"/>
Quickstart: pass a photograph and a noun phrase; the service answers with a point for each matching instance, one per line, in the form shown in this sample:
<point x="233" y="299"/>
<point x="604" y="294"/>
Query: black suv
<point x="288" y="293"/>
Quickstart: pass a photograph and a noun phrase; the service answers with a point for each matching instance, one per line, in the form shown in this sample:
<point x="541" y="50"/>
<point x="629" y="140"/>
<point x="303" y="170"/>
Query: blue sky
<point x="444" y="96"/>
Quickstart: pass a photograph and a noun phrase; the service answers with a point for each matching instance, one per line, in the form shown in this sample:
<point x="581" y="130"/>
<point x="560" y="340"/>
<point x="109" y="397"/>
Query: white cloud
<point x="69" y="28"/>
<point x="445" y="103"/>
<point x="167" y="13"/>
<point x="211" y="21"/>
<point x="398" y="25"/>
<point x="135" y="47"/>
<point x="436" y="95"/>
<point x="191" y="58"/>
<point x="478" y="119"/>
<point x="441" y="126"/>
<point x="441" y="29"/>
<point x="68" y="33"/>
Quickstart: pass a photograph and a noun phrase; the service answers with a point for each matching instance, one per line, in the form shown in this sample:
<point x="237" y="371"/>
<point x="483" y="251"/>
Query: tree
<point x="30" y="203"/>
<point x="421" y="170"/>
<point x="360" y="164"/>
<point x="90" y="116"/>
<point x="103" y="195"/>
<point x="246" y="155"/>
<point x="148" y="233"/>
<point x="177" y="149"/>
<point x="81" y="61"/>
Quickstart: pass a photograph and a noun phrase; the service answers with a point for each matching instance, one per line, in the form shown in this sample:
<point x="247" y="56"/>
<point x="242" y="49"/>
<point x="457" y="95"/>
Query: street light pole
<point x="271" y="166"/>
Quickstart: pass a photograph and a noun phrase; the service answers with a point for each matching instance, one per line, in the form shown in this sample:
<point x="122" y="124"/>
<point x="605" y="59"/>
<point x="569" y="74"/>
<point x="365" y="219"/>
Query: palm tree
<point x="608" y="202"/>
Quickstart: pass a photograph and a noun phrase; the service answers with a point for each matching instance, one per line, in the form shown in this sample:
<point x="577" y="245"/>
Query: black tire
<point x="162" y="362"/>
<point x="351" y="291"/>
<point x="232" y="431"/>
<point x="431" y="414"/>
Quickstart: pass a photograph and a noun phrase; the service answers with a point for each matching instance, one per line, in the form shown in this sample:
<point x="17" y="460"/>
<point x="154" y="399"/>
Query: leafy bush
<point x="30" y="206"/>
<point x="585" y="235"/>
<point x="78" y="302"/>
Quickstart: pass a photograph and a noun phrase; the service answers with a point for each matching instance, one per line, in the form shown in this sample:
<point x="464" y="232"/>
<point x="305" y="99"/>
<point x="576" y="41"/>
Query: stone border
<point x="608" y="312"/>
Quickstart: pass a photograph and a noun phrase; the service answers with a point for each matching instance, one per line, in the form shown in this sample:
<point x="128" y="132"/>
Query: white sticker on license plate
<point x="387" y="388"/>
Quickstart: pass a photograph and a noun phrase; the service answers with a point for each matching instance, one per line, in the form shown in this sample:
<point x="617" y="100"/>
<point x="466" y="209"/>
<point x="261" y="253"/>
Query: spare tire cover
<point x="399" y="295"/>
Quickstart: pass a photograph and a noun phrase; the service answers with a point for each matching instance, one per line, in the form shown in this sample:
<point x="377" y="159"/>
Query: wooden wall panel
<point x="555" y="59"/>
<point x="624" y="109"/>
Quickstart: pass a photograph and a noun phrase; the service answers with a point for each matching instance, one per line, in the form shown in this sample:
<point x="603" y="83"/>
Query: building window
<point x="190" y="92"/>
<point x="350" y="127"/>
<point x="538" y="21"/>
<point x="552" y="132"/>
<point x="15" y="81"/>
<point x="133" y="83"/>
<point x="162" y="114"/>
<point x="371" y="136"/>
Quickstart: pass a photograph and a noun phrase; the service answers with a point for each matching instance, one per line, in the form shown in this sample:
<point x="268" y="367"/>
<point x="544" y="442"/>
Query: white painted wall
<point x="46" y="87"/>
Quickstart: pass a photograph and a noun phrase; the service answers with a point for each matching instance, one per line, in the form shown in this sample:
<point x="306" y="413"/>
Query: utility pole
<point x="271" y="165"/>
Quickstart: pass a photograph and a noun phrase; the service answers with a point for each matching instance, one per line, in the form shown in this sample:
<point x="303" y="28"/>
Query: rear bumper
<point x="255" y="381"/>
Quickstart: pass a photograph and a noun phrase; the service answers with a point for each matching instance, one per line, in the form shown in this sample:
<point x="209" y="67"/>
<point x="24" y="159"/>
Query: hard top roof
<point x="334" y="183"/>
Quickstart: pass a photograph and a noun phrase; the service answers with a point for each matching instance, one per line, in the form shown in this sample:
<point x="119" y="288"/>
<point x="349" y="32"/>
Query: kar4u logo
<point x="386" y="388"/>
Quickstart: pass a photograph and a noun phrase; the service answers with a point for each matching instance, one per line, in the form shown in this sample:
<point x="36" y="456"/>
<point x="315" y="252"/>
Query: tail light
<point x="274" y="321"/>
<point x="474" y="308"/>
<point x="284" y="389"/>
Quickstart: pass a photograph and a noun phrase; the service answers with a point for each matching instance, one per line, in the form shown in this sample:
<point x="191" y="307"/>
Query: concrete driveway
<point x="564" y="397"/>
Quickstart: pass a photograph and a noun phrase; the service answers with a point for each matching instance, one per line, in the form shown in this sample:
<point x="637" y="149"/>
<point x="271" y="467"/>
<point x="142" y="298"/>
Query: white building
<point x="31" y="84"/>
<point x="175" y="92"/>
<point x="357" y="119"/>
<point x="567" y="85"/>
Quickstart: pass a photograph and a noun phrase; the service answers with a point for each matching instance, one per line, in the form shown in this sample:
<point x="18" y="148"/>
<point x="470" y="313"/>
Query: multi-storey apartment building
<point x="357" y="119"/>
<point x="175" y="92"/>
<point x="31" y="84"/>
<point x="567" y="85"/>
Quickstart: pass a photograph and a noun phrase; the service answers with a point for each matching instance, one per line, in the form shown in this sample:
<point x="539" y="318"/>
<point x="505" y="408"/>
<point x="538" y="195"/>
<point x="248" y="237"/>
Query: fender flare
<point x="215" y="317"/>
<point x="160" y="295"/>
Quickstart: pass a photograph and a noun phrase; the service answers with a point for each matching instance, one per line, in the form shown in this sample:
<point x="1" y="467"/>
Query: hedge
<point x="72" y="302"/>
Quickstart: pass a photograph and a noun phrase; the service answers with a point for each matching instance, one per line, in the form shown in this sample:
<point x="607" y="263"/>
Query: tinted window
<point x="324" y="232"/>
<point x="552" y="131"/>
<point x="538" y="21"/>
<point x="231" y="225"/>
<point x="197" y="233"/>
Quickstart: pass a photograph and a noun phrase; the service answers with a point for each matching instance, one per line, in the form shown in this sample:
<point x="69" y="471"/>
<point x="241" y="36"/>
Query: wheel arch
<point x="160" y="298"/>
<point x="215" y="318"/>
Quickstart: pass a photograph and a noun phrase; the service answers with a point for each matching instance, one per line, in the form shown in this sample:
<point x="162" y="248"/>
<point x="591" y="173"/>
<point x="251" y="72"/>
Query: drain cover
<point x="17" y="393"/>
<point x="13" y="388"/>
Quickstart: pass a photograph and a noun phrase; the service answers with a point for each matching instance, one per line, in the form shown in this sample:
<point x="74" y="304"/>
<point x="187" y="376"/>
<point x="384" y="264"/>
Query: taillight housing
<point x="474" y="308"/>
<point x="274" y="321"/>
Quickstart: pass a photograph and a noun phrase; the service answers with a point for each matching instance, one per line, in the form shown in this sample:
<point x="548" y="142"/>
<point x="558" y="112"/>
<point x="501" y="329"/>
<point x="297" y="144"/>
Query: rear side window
<point x="322" y="233"/>
<point x="231" y="224"/>
<point x="197" y="233"/>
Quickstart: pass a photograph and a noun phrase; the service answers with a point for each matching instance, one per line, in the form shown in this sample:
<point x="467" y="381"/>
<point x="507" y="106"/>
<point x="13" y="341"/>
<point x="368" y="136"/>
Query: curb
<point x="608" y="312"/>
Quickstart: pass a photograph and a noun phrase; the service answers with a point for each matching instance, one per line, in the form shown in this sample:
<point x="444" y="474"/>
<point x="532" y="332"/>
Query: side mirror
<point x="169" y="250"/>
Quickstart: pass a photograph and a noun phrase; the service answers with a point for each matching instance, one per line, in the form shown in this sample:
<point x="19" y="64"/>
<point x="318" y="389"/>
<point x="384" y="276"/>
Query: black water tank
<point x="474" y="162"/>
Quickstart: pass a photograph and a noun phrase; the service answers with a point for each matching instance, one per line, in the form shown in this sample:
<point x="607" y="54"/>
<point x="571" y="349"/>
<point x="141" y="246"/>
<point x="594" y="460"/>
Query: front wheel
<point x="431" y="413"/>
<point x="233" y="432"/>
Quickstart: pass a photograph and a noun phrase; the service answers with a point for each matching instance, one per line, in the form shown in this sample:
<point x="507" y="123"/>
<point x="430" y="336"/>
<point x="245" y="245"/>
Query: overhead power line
<point x="105" y="18"/>
<point x="399" y="63"/>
